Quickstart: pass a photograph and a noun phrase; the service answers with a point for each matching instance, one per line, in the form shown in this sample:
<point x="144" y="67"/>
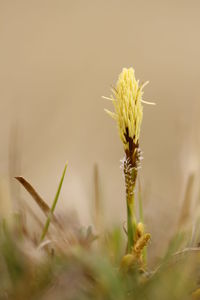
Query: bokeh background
<point x="57" y="58"/>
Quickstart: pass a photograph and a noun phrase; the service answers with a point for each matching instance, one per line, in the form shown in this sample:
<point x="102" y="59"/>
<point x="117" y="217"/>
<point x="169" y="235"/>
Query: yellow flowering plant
<point x="127" y="100"/>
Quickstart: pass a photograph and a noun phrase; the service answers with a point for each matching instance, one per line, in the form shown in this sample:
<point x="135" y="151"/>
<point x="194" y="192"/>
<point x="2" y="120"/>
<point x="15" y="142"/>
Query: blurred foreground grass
<point x="66" y="261"/>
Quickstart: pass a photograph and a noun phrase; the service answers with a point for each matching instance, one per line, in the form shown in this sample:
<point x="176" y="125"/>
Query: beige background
<point x="57" y="58"/>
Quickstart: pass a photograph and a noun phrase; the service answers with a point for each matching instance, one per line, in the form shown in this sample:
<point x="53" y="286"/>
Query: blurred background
<point x="57" y="59"/>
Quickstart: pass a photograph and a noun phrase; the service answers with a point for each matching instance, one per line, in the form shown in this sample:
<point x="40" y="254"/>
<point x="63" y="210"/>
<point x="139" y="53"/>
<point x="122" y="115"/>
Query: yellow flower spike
<point x="127" y="100"/>
<point x="139" y="230"/>
<point x="141" y="243"/>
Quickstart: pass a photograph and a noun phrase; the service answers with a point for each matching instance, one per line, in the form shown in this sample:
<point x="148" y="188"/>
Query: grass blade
<point x="53" y="205"/>
<point x="186" y="206"/>
<point x="40" y="202"/>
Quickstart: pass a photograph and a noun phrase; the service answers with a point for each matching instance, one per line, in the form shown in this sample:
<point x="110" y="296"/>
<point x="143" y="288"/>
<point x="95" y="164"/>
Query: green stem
<point x="131" y="222"/>
<point x="144" y="251"/>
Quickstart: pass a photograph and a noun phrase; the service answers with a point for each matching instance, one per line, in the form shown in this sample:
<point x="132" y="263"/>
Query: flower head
<point x="127" y="100"/>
